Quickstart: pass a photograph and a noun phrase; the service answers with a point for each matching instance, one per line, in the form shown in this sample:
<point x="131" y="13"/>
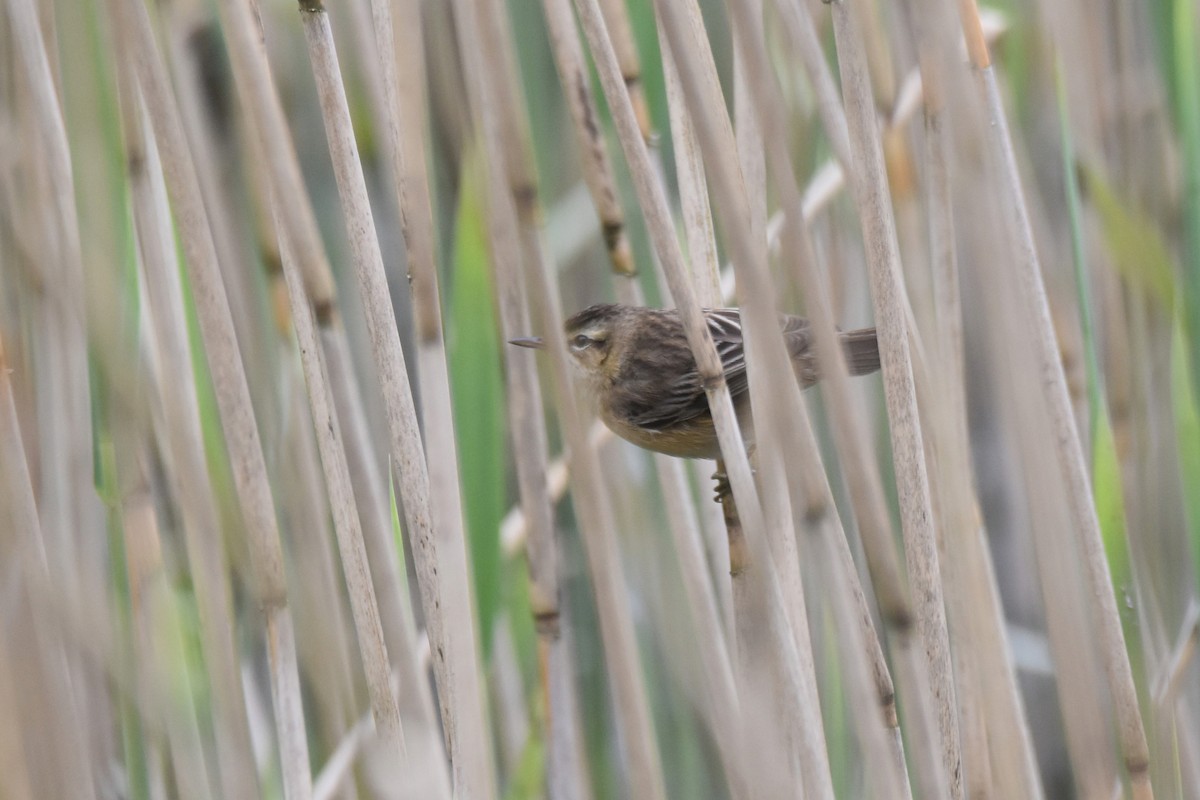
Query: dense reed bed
<point x="282" y="515"/>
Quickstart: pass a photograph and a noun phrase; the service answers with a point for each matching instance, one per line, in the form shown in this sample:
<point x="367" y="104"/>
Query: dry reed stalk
<point x="337" y="472"/>
<point x="982" y="640"/>
<point x="766" y="602"/>
<point x="402" y="73"/>
<point x="325" y="643"/>
<point x="695" y="213"/>
<point x="526" y="410"/>
<point x="474" y="778"/>
<point x="511" y="704"/>
<point x="681" y="515"/>
<point x="715" y="637"/>
<point x="888" y="774"/>
<point x="440" y="555"/>
<point x="422" y="736"/>
<point x="1039" y="485"/>
<point x="600" y="540"/>
<point x="802" y="33"/>
<point x="616" y="20"/>
<point x="62" y="385"/>
<point x="1166" y="685"/>
<point x="912" y="479"/>
<point x="158" y="645"/>
<point x="69" y="514"/>
<point x="788" y="655"/>
<point x="1086" y="725"/>
<point x="816" y="504"/>
<point x="700" y="235"/>
<point x="189" y="42"/>
<point x="177" y="417"/>
<point x="1068" y="448"/>
<point x="414" y="696"/>
<point x="232" y="392"/>
<point x="594" y="161"/>
<point x="54" y="766"/>
<point x="564" y="768"/>
<point x="620" y="645"/>
<point x="573" y="76"/>
<point x="861" y="472"/>
<point x="17" y="782"/>
<point x="773" y="466"/>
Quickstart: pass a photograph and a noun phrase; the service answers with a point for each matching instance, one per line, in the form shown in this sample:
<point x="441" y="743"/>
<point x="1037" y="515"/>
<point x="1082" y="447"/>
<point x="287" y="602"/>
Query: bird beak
<point x="533" y="342"/>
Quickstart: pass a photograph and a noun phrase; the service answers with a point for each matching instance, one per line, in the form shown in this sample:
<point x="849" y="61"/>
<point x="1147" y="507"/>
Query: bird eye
<point x="580" y="342"/>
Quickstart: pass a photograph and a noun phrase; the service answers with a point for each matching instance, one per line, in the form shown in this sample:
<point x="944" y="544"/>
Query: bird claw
<point x="722" y="490"/>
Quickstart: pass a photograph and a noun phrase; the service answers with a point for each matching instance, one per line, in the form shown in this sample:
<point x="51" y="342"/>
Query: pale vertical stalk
<point x="1068" y="448"/>
<point x="772" y="472"/>
<point x="616" y="20"/>
<point x="997" y="701"/>
<point x="861" y="471"/>
<point x="1086" y="725"/>
<point x="325" y="639"/>
<point x="254" y="335"/>
<point x="64" y="419"/>
<point x="800" y="30"/>
<point x="18" y="785"/>
<point x="600" y="540"/>
<point x="68" y="514"/>
<point x="620" y="644"/>
<point x="512" y="717"/>
<point x="161" y="673"/>
<point x="423" y="740"/>
<point x="182" y="441"/>
<point x="597" y="172"/>
<point x="444" y="576"/>
<point x="566" y="767"/>
<point x="333" y="461"/>
<point x="912" y="478"/>
<point x="402" y="75"/>
<point x="700" y="235"/>
<point x="35" y="644"/>
<point x="783" y="653"/>
<point x="680" y="514"/>
<point x="289" y="713"/>
<point x="863" y="479"/>
<point x="527" y="412"/>
<point x="887" y="776"/>
<point x="232" y="392"/>
<point x="723" y="712"/>
<point x="814" y="499"/>
<point x="699" y="231"/>
<point x="414" y="697"/>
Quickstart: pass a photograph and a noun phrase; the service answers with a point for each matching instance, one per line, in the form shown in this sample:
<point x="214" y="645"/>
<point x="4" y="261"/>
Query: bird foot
<point x="722" y="490"/>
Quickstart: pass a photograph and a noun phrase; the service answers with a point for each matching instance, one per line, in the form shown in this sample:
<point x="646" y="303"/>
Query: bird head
<point x="589" y="336"/>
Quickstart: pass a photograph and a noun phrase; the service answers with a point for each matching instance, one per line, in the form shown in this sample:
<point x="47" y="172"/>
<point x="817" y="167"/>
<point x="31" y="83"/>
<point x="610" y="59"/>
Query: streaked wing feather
<point x="686" y="400"/>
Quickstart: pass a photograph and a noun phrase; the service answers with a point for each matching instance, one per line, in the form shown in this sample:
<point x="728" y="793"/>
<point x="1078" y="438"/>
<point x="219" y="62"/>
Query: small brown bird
<point x="640" y="369"/>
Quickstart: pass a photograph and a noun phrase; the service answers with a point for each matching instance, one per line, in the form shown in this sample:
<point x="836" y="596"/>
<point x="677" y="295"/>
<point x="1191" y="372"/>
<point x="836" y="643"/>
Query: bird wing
<point x="685" y="398"/>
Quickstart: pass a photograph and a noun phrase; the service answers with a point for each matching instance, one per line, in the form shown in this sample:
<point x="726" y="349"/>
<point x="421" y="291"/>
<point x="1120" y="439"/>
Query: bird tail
<point x="862" y="351"/>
